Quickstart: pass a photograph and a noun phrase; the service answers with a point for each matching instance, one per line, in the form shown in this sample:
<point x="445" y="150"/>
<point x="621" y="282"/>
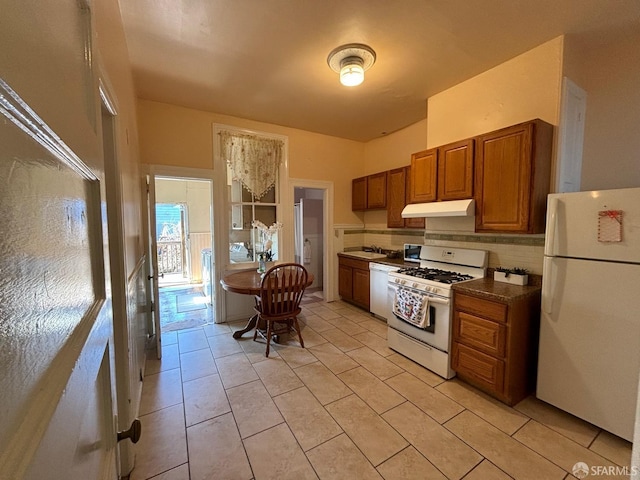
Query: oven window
<point x="432" y="317"/>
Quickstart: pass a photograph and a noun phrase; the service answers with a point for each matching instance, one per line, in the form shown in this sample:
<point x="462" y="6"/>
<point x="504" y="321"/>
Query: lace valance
<point x="254" y="160"/>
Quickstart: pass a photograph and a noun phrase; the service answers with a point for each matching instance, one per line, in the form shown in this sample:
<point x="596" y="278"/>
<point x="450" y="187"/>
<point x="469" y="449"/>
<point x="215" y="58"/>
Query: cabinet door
<point x="503" y="180"/>
<point x="424" y="171"/>
<point x="396" y="195"/>
<point x="361" y="292"/>
<point x="345" y="282"/>
<point x="417" y="222"/>
<point x="377" y="190"/>
<point x="480" y="333"/>
<point x="483" y="370"/>
<point x="455" y="170"/>
<point x="359" y="193"/>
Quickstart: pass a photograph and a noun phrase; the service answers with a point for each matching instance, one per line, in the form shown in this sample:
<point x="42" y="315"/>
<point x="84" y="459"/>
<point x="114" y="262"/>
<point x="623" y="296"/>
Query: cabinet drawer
<point x="485" y="335"/>
<point x="486" y="371"/>
<point x="354" y="263"/>
<point x="485" y="308"/>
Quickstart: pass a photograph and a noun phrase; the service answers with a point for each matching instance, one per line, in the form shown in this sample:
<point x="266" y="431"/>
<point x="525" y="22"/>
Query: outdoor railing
<point x="170" y="257"/>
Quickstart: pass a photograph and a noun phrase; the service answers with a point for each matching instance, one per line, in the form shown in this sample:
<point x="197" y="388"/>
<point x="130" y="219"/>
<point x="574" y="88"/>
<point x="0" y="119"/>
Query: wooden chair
<point x="279" y="301"/>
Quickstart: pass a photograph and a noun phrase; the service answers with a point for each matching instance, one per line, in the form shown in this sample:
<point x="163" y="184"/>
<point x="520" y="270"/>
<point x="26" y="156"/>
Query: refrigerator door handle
<point x="552" y="222"/>
<point x="547" y="286"/>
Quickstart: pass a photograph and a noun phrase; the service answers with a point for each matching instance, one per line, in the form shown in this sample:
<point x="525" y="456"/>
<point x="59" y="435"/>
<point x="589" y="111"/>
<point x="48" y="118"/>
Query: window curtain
<point x="254" y="160"/>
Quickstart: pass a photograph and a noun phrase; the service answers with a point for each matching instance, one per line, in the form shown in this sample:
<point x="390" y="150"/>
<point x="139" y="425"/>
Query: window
<point x="253" y="193"/>
<point x="244" y="241"/>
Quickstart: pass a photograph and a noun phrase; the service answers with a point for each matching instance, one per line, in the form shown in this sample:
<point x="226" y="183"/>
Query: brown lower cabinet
<point x="353" y="281"/>
<point x="495" y="343"/>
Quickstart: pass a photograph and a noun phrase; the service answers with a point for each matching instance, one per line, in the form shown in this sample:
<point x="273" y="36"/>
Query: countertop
<point x="394" y="262"/>
<point x="497" y="291"/>
<point x="482" y="287"/>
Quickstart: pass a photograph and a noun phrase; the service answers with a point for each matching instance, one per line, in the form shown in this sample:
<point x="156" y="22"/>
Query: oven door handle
<point x="439" y="301"/>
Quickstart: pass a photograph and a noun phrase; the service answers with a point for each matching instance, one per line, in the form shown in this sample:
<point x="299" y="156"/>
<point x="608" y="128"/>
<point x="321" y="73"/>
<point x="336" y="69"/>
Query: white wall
<point x="608" y="68"/>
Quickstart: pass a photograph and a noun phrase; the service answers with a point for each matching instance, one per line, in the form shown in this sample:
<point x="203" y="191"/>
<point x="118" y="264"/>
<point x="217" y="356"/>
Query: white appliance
<point x="429" y="286"/>
<point x="378" y="279"/>
<point x="412" y="252"/>
<point x="452" y="208"/>
<point x="589" y="354"/>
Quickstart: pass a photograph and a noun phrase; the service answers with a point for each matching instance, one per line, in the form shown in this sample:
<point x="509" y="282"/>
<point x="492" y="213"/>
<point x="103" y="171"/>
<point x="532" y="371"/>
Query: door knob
<point x="149" y="277"/>
<point x="134" y="432"/>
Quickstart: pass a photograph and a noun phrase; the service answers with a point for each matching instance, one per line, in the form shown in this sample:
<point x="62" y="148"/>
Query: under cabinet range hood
<point x="453" y="208"/>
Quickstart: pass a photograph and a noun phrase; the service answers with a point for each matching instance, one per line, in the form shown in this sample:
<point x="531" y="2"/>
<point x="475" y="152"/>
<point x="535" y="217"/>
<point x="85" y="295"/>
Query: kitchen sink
<point x="367" y="255"/>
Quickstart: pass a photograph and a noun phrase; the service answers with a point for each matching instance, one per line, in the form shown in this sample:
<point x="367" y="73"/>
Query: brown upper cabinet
<point x="359" y="193"/>
<point x="424" y="181"/>
<point x="418" y="222"/>
<point x="396" y="196"/>
<point x="398" y="185"/>
<point x="369" y="192"/>
<point x="455" y="170"/>
<point x="512" y="173"/>
<point x="443" y="173"/>
<point x="377" y="190"/>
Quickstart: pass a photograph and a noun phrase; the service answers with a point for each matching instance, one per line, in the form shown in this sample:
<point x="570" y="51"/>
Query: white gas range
<point x="419" y="303"/>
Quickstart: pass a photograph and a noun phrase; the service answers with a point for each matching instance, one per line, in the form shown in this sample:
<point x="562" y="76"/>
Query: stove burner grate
<point x="435" y="275"/>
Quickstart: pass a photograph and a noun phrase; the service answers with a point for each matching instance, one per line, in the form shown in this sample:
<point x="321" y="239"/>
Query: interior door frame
<point x="153" y="293"/>
<point x="127" y="404"/>
<point x="329" y="255"/>
<point x="183" y="173"/>
<point x="570" y="138"/>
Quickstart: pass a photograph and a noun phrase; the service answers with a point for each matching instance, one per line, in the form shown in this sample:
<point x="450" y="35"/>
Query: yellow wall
<point x="394" y="150"/>
<point x="521" y="89"/>
<point x="177" y="136"/>
<point x="113" y="59"/>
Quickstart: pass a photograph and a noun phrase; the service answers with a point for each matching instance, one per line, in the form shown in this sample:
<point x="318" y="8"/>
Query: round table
<point x="247" y="282"/>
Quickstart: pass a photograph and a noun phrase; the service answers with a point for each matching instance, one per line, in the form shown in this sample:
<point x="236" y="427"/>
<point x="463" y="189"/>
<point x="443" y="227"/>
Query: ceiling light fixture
<point x="351" y="61"/>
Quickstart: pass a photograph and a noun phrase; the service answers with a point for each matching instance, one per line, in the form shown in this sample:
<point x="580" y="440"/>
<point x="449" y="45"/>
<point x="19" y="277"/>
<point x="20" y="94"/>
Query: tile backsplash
<point x="524" y="251"/>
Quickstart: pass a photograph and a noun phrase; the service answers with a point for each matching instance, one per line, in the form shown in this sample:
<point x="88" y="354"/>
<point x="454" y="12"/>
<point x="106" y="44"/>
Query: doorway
<point x="309" y="236"/>
<point x="182" y="239"/>
<point x="311" y="214"/>
<point x="172" y="229"/>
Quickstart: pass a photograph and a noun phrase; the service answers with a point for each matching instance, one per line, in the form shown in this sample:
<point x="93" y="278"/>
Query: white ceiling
<point x="266" y="60"/>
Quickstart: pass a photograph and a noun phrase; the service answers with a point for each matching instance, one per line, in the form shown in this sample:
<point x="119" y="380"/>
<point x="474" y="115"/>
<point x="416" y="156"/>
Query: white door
<point x="56" y="350"/>
<point x="570" y="137"/>
<point x="153" y="265"/>
<point x="589" y="359"/>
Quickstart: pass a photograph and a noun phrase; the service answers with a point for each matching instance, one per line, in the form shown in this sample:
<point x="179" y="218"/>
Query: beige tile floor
<point x="345" y="407"/>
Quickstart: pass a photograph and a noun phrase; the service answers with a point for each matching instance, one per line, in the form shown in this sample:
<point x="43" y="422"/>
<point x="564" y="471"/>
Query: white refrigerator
<point x="589" y="353"/>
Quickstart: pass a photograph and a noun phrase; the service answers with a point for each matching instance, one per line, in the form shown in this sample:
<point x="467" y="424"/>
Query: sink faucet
<point x="376" y="249"/>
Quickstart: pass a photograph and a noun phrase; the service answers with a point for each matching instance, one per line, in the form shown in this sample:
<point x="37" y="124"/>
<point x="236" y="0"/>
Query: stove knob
<point x="415" y="285"/>
<point x="397" y="280"/>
